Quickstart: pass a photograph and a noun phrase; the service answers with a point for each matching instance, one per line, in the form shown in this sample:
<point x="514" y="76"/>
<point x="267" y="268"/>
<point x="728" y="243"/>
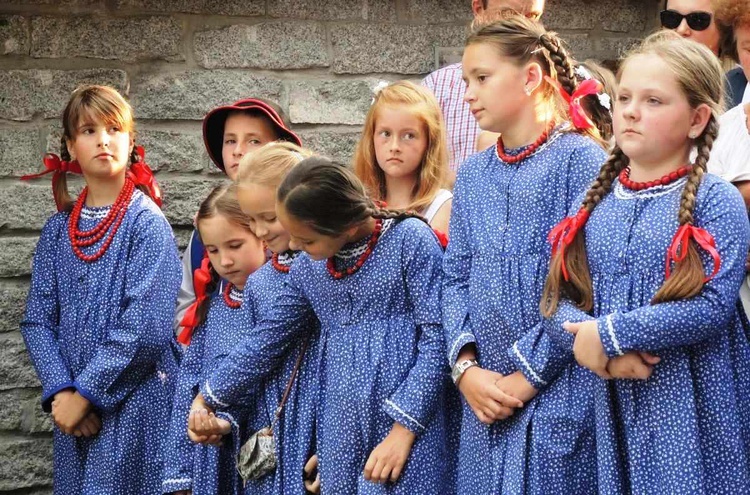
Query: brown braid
<point x="564" y="69"/>
<point x="580" y="288"/>
<point x="687" y="276"/>
<point x="60" y="187"/>
<point x="386" y="213"/>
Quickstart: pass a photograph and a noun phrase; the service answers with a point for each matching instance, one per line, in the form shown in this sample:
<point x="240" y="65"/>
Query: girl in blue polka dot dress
<point x="507" y="198"/>
<point x="294" y="430"/>
<point x="212" y="327"/>
<point x="652" y="263"/>
<point x="372" y="277"/>
<point x="97" y="324"/>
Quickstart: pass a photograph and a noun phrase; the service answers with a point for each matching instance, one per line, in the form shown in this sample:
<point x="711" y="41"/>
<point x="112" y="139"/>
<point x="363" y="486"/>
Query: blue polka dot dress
<point x="381" y="356"/>
<point x="294" y="431"/>
<point x="685" y="430"/>
<point x="204" y="469"/>
<point x="104" y="329"/>
<point x="495" y="267"/>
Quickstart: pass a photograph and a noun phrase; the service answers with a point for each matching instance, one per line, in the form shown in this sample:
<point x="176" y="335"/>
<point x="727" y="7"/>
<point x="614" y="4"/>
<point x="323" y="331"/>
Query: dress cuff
<point x="400" y="416"/>
<point x="458" y="344"/>
<point x="608" y="337"/>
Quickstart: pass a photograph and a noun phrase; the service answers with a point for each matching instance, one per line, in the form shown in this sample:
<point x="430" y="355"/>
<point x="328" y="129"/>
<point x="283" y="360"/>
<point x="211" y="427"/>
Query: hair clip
<point x="377" y="89"/>
<point x="583" y="73"/>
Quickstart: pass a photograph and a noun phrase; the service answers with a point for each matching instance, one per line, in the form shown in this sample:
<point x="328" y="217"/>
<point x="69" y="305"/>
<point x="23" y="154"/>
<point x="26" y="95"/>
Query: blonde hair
<point x="523" y="41"/>
<point x="101" y="104"/>
<point x="699" y="75"/>
<point x="432" y="173"/>
<point x="269" y="165"/>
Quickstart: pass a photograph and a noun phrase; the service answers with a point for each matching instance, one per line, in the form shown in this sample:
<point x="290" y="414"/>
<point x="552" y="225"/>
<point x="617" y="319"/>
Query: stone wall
<point x="178" y="59"/>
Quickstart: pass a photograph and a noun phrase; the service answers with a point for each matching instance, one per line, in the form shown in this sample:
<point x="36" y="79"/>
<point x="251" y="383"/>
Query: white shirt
<point x="730" y="156"/>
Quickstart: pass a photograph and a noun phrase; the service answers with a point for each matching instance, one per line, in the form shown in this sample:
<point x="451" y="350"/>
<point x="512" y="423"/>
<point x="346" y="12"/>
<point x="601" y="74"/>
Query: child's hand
<point x="204" y="427"/>
<point x="311" y="476"/>
<point x="387" y="459"/>
<point x="588" y="348"/>
<point x="68" y="409"/>
<point x="632" y="366"/>
<point x="89" y="427"/>
<point x="183" y="492"/>
<point x="487" y="401"/>
<point x="516" y="385"/>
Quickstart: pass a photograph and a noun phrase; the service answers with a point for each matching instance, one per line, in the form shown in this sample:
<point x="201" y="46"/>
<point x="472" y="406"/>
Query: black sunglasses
<point x="698" y="21"/>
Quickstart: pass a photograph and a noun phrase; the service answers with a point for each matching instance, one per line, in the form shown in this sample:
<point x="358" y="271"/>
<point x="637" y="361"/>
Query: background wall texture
<point x="176" y="59"/>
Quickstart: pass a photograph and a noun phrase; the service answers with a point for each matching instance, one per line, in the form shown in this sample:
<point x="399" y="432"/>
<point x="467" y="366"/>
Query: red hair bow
<point x="201" y="279"/>
<point x="52" y="163"/>
<point x="562" y="235"/>
<point x="577" y="114"/>
<point x="442" y="238"/>
<point x="679" y="248"/>
<point x="141" y="175"/>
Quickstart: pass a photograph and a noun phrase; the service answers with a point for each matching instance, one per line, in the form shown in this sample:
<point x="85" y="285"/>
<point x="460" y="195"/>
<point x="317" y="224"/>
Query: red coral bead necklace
<point x="512" y="159"/>
<point x="667" y="179"/>
<point x="228" y="298"/>
<point x="338" y="274"/>
<point x="83" y="238"/>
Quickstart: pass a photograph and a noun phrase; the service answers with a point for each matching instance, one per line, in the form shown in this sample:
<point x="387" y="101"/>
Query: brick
<point x="368" y="48"/>
<point x="571" y="14"/>
<point x="191" y="94"/>
<point x="174" y="151"/>
<point x="615" y="48"/>
<point x="20" y="152"/>
<point x="128" y="40"/>
<point x="334" y="10"/>
<point x="16" y="254"/>
<point x="183" y="197"/>
<point x="611" y="15"/>
<point x="12" y="304"/>
<point x="25" y="93"/>
<point x="15" y="367"/>
<point x="338" y="145"/>
<point x="25" y="462"/>
<point x="17" y="214"/>
<point x="182" y="234"/>
<point x="14" y="36"/>
<point x="218" y="7"/>
<point x="23" y="411"/>
<point x="330" y="102"/>
<point x="437" y="11"/>
<point x="269" y="45"/>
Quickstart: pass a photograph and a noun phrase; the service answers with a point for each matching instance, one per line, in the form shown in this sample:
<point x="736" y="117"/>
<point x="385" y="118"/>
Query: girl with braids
<point x="211" y="328"/>
<point x="507" y="198"/>
<point x="258" y="180"/>
<point x="103" y="289"/>
<point x="372" y="277"/>
<point x="652" y="263"/>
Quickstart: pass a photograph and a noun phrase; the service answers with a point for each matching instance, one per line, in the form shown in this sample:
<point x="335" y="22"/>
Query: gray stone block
<point x="12" y="303"/>
<point x="25" y="462"/>
<point x="268" y="45"/>
<point x="174" y="151"/>
<point x="615" y="47"/>
<point x="23" y="411"/>
<point x="16" y="214"/>
<point x="334" y="10"/>
<point x="126" y="39"/>
<point x="191" y="94"/>
<point x="369" y="48"/>
<point x="14" y="36"/>
<point x="218" y="7"/>
<point x="330" y="102"/>
<point x="437" y="11"/>
<point x="183" y="197"/>
<point x="15" y="367"/>
<point x="16" y="254"/>
<point x="338" y="145"/>
<point x="20" y="152"/>
<point x="25" y="93"/>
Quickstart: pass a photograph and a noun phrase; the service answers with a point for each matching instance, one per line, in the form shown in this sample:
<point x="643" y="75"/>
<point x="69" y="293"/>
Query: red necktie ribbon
<point x="577" y="114"/>
<point x="678" y="250"/>
<point x="562" y="235"/>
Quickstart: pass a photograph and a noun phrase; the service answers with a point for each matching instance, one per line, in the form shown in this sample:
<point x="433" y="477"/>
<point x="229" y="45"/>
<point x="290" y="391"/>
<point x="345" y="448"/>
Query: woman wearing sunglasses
<point x="695" y="19"/>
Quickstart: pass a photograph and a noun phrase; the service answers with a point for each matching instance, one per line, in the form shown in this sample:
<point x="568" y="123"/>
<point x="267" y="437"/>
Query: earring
<point x="692" y="135"/>
<point x="527" y="91"/>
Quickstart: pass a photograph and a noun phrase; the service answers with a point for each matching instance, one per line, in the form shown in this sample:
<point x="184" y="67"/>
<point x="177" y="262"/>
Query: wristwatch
<point x="460" y="368"/>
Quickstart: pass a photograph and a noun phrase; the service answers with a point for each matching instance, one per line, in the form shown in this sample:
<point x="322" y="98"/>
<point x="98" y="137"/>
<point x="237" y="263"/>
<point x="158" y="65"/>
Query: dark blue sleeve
<point x="419" y="395"/>
<point x="40" y="322"/>
<point x="133" y="347"/>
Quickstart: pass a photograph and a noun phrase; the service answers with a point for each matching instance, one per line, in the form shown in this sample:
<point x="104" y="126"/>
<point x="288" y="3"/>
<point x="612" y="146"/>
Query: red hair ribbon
<point x="442" y="238"/>
<point x="679" y="248"/>
<point x="141" y="175"/>
<point x="575" y="109"/>
<point x="201" y="279"/>
<point x="563" y="233"/>
<point x="52" y="163"/>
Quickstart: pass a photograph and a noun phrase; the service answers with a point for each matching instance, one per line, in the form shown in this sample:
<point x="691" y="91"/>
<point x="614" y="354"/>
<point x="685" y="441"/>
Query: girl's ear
<point x="533" y="77"/>
<point x="699" y="120"/>
<point x="69" y="145"/>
